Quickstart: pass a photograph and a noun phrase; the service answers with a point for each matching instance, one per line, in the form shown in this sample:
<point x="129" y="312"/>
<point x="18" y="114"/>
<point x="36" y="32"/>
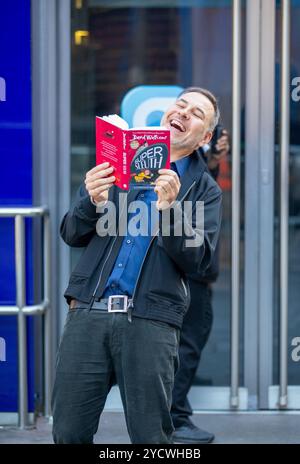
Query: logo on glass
<point x="145" y="105"/>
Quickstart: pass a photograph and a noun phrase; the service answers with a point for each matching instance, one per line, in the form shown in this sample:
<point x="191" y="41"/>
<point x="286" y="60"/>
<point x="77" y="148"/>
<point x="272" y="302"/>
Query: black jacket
<point x="162" y="291"/>
<point x="211" y="274"/>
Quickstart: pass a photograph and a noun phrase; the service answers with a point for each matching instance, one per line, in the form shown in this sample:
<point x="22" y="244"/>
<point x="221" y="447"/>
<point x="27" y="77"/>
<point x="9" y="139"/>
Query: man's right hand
<point x="98" y="181"/>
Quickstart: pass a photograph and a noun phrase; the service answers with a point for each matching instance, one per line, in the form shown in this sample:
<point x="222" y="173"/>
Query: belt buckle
<point x="119" y="297"/>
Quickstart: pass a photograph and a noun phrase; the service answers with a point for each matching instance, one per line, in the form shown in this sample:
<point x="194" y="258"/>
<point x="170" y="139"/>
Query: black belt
<point x="112" y="304"/>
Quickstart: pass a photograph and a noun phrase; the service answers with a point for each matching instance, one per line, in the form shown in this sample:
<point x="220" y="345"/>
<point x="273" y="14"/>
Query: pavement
<point x="229" y="428"/>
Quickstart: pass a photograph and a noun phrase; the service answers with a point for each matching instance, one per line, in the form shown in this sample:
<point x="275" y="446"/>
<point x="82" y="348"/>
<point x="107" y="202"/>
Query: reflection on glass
<point x="294" y="205"/>
<point x="115" y="49"/>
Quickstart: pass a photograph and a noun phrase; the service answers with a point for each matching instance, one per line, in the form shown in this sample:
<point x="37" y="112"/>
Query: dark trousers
<point x="195" y="331"/>
<point x="98" y="349"/>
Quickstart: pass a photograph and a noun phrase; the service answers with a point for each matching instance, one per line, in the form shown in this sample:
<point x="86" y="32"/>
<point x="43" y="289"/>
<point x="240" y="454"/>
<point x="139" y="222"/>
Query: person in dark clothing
<point x="198" y="321"/>
<point x="129" y="293"/>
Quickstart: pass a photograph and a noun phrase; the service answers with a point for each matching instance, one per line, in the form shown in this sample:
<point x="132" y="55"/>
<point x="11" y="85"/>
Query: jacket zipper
<point x="138" y="277"/>
<point x="101" y="272"/>
<point x="184" y="287"/>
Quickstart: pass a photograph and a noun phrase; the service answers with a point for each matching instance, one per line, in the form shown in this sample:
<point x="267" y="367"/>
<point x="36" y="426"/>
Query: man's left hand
<point x="167" y="188"/>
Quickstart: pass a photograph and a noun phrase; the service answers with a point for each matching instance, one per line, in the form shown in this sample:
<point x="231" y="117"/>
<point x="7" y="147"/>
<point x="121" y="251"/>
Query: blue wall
<point x="15" y="181"/>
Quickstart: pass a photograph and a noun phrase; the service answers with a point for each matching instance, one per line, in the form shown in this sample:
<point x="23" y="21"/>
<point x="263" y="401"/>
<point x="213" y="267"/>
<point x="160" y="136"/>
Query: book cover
<point x="136" y="154"/>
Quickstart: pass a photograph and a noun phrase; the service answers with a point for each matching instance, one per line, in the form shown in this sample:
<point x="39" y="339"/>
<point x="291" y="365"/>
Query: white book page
<point x="122" y="124"/>
<point x="116" y="121"/>
<point x="149" y="128"/>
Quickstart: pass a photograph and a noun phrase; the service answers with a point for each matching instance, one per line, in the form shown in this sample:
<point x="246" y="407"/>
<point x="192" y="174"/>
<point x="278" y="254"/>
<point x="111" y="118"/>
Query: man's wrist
<point x="99" y="204"/>
<point x="163" y="205"/>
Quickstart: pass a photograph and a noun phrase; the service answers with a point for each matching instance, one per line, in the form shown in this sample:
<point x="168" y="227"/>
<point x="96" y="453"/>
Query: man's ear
<point x="206" y="139"/>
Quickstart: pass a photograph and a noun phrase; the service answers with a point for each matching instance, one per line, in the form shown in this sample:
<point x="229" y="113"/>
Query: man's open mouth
<point x="177" y="125"/>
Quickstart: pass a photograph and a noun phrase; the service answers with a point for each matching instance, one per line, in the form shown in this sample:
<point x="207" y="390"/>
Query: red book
<point x="136" y="154"/>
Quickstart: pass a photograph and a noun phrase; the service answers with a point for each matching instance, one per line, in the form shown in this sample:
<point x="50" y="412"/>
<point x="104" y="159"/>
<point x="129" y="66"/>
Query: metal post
<point x="47" y="319"/>
<point x="251" y="254"/>
<point x="235" y="243"/>
<point x="284" y="198"/>
<point x="21" y="302"/>
<point x="266" y="113"/>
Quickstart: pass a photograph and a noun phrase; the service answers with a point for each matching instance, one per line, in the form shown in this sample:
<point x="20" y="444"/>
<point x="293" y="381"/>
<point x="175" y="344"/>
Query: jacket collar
<point x="194" y="172"/>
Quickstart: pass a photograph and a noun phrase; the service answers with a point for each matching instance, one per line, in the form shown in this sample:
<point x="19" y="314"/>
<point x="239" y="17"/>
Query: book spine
<point x="125" y="160"/>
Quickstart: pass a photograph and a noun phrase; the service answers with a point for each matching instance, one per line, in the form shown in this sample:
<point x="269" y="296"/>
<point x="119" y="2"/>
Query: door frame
<point x="259" y="200"/>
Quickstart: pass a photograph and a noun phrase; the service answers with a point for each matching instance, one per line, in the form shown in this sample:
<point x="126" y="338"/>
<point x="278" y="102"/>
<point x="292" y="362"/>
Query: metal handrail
<point x="21" y="310"/>
<point x="24" y="211"/>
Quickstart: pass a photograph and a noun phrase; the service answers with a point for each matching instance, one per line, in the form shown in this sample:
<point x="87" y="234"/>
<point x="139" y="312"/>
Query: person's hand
<point x="223" y="145"/>
<point x="222" y="148"/>
<point x="98" y="181"/>
<point x="167" y="186"/>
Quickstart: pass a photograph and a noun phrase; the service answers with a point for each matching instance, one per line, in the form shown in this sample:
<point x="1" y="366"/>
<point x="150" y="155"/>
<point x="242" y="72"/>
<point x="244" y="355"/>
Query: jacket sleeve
<point x="192" y="237"/>
<point x="79" y="224"/>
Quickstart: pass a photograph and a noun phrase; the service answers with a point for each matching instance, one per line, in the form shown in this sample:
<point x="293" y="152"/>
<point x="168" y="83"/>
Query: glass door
<point x="116" y="48"/>
<point x="287" y="347"/>
<point x="272" y="374"/>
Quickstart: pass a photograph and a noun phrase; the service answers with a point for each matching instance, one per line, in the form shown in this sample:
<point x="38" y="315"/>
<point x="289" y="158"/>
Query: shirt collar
<point x="182" y="165"/>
